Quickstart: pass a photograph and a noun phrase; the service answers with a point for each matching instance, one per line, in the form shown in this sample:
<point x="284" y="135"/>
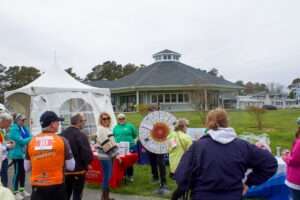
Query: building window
<point x="169" y="57"/>
<point x="173" y="98"/>
<point x="154" y="98"/>
<point x="180" y="98"/>
<point x="165" y="57"/>
<point x="167" y="98"/>
<point x="186" y="98"/>
<point x="160" y="98"/>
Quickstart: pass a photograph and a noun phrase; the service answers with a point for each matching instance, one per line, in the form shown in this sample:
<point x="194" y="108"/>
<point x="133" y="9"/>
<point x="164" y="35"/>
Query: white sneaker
<point x="18" y="196"/>
<point x="25" y="194"/>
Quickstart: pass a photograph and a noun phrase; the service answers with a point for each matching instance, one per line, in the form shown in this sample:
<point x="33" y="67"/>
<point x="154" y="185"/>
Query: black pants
<point x="19" y="176"/>
<point x="75" y="183"/>
<point x="53" y="192"/>
<point x="158" y="159"/>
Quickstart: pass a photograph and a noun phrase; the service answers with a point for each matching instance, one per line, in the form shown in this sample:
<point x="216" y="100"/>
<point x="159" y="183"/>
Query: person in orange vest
<point x="46" y="156"/>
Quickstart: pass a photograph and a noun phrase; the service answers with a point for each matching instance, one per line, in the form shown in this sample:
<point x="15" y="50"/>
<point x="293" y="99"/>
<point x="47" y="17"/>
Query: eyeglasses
<point x="23" y="120"/>
<point x="187" y="125"/>
<point x="83" y="120"/>
<point x="121" y="119"/>
<point x="105" y="119"/>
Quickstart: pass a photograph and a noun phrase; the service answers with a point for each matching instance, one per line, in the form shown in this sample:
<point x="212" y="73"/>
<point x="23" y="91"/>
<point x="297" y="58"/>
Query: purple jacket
<point x="220" y="166"/>
<point x="293" y="164"/>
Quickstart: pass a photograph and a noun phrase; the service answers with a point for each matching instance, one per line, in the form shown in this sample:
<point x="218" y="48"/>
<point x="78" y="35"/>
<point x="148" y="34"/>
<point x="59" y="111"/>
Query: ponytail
<point x="217" y="118"/>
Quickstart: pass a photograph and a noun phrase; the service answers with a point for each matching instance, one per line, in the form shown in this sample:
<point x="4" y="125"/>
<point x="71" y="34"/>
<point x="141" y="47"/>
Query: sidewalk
<point x="88" y="194"/>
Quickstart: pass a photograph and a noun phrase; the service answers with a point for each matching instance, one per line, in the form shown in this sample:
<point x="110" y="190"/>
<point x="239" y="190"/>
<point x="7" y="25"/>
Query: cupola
<point x="166" y="55"/>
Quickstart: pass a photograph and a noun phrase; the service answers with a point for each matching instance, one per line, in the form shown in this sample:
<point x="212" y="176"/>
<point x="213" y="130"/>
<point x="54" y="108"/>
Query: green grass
<point x="280" y="125"/>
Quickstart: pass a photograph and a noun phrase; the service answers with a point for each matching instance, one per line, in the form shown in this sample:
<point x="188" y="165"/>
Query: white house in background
<point x="259" y="99"/>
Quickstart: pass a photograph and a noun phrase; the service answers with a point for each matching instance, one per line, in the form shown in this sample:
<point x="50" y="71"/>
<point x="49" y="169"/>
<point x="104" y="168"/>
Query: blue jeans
<point x="295" y="194"/>
<point x="107" y="168"/>
<point x="4" y="169"/>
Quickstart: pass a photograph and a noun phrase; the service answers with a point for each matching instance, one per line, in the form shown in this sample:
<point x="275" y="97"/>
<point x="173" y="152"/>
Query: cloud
<point x="245" y="40"/>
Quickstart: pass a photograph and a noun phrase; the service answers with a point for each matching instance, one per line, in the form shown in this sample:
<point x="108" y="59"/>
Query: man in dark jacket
<point x="82" y="153"/>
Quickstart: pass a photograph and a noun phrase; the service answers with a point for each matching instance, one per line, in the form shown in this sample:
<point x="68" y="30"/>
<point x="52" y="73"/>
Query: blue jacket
<point x="15" y="134"/>
<point x="220" y="167"/>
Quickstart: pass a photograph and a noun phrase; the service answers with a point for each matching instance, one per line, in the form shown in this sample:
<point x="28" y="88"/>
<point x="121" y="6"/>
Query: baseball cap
<point x="151" y="107"/>
<point x="48" y="117"/>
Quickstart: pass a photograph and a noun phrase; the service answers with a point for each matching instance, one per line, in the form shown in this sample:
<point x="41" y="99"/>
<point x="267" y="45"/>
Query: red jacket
<point x="293" y="164"/>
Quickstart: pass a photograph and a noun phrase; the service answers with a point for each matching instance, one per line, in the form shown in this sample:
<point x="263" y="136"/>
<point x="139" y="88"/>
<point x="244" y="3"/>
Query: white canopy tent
<point x="57" y="91"/>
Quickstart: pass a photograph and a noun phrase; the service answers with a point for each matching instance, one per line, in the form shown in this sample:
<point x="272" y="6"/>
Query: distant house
<point x="259" y="99"/>
<point x="165" y="83"/>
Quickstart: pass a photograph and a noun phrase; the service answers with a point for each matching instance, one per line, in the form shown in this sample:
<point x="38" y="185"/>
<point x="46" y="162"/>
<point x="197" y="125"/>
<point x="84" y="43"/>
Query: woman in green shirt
<point x="125" y="132"/>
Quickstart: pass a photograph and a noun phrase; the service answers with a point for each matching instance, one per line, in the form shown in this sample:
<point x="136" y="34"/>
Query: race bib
<point x="172" y="143"/>
<point x="44" y="143"/>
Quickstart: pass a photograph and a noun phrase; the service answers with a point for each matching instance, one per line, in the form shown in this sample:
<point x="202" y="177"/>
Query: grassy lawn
<point x="280" y="125"/>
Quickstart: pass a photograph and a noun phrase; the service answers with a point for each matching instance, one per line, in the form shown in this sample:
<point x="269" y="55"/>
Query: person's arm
<point x="264" y="166"/>
<point x="294" y="158"/>
<point x="188" y="142"/>
<point x="27" y="162"/>
<point x="134" y="132"/>
<point x="184" y="170"/>
<point x="69" y="159"/>
<point x="15" y="135"/>
<point x="86" y="154"/>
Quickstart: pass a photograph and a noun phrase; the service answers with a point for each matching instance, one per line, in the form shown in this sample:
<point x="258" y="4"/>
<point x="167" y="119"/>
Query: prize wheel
<point x="154" y="130"/>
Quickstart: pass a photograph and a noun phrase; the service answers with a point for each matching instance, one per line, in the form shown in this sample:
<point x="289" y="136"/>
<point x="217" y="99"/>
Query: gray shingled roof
<point x="164" y="74"/>
<point x="167" y="51"/>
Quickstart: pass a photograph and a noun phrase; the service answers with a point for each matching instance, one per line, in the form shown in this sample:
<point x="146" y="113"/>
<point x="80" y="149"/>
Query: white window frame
<point x="171" y="93"/>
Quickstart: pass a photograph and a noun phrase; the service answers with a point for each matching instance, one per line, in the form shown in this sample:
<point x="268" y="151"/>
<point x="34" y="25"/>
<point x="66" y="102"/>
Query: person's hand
<point x="285" y="154"/>
<point x="118" y="159"/>
<point x="246" y="187"/>
<point x="11" y="145"/>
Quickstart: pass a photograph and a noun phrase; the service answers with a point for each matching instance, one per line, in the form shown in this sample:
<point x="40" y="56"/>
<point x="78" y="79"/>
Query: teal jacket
<point x="125" y="133"/>
<point x="20" y="143"/>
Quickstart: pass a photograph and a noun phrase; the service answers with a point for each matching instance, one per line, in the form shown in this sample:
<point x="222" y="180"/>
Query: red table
<point x="95" y="175"/>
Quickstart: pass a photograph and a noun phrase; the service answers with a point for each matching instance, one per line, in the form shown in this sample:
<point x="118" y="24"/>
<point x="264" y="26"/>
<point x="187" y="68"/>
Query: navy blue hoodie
<point x="220" y="165"/>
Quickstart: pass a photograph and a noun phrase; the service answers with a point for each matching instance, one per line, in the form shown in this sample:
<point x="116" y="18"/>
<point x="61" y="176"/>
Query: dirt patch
<point x="263" y="129"/>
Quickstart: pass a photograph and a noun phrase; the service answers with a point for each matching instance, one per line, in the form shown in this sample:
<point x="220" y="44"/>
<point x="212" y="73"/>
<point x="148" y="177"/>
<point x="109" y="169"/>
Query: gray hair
<point x="5" y="117"/>
<point x="75" y="118"/>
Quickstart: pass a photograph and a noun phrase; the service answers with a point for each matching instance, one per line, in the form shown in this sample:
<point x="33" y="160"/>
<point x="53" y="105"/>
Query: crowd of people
<point x="212" y="167"/>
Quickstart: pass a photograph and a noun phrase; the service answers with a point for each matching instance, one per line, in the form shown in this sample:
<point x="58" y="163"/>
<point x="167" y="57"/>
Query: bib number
<point x="172" y="143"/>
<point x="44" y="143"/>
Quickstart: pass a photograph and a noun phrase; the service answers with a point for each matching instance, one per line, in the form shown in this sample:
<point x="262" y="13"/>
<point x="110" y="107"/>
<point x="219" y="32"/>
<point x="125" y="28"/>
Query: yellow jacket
<point x="179" y="142"/>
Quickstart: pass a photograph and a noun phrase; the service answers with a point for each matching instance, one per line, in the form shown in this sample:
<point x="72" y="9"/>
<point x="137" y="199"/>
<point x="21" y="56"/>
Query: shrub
<point x="257" y="113"/>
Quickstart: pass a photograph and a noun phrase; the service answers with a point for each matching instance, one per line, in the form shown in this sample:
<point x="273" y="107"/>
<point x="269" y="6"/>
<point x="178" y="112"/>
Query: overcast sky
<point x="249" y="40"/>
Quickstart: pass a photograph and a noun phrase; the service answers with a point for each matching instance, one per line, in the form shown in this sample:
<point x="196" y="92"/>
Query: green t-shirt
<point x="125" y="133"/>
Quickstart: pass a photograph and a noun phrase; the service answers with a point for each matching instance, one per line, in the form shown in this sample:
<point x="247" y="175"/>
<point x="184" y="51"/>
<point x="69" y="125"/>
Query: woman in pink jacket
<point x="293" y="166"/>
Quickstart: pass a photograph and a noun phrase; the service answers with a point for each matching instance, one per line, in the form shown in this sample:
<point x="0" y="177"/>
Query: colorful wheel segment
<point x="154" y="130"/>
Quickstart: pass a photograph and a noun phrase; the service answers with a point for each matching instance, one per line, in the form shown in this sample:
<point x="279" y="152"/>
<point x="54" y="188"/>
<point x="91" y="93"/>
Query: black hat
<point x="48" y="117"/>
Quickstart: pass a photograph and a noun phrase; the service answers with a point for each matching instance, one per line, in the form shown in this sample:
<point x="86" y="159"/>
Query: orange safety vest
<point x="47" y="155"/>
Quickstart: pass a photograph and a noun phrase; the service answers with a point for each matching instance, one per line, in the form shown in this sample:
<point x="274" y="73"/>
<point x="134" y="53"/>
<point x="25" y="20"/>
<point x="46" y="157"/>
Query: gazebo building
<point x="172" y="85"/>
